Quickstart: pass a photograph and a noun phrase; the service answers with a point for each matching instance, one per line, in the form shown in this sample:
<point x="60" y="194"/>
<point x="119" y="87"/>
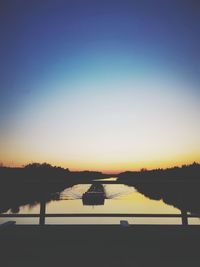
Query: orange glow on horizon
<point x="112" y="167"/>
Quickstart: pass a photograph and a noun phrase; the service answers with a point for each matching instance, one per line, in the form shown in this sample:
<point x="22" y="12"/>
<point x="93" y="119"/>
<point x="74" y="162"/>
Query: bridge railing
<point x="42" y="216"/>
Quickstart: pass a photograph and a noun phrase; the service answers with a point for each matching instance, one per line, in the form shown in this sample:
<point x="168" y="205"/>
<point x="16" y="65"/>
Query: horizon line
<point x="104" y="171"/>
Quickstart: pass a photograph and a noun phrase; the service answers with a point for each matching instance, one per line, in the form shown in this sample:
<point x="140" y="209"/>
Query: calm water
<point x="120" y="198"/>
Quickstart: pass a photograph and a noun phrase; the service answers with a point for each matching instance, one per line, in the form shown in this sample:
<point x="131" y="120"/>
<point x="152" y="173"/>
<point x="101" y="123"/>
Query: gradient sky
<point x="100" y="85"/>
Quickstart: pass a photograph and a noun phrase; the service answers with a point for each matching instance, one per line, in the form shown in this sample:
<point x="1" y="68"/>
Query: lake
<point x="119" y="199"/>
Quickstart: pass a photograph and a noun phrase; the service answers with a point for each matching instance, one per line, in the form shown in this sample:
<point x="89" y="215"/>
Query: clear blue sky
<point x="106" y="84"/>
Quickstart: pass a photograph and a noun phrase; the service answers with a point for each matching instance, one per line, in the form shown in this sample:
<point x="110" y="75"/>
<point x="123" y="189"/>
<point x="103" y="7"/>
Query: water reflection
<point x="74" y="192"/>
<point x="151" y="198"/>
<point x="112" y="191"/>
<point x="115" y="191"/>
<point x="182" y="195"/>
<point x="29" y="195"/>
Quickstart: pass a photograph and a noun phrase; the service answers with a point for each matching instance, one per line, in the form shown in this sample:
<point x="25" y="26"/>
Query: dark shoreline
<point x="178" y="186"/>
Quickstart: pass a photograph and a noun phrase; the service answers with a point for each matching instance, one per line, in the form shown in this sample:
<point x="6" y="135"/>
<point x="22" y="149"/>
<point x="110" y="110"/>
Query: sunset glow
<point x="110" y="92"/>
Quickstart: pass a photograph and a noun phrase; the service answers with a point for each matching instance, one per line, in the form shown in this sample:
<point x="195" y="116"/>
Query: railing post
<point x="184" y="217"/>
<point x="42" y="212"/>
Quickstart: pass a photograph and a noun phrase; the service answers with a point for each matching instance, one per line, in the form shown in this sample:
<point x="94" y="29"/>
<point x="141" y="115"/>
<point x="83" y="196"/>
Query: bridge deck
<point x="100" y="246"/>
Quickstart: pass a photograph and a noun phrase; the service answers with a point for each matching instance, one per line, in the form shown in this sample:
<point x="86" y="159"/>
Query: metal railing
<point x="42" y="215"/>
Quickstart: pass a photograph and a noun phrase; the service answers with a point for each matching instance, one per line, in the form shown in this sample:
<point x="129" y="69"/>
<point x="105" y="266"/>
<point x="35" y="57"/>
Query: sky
<point x="100" y="85"/>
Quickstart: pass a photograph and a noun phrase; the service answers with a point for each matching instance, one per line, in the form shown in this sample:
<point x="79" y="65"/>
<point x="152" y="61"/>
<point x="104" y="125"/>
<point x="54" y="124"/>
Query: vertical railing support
<point x="42" y="212"/>
<point x="184" y="217"/>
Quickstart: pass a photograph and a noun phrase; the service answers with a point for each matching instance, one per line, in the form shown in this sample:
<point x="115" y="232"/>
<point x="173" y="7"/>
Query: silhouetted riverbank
<point x="176" y="186"/>
<point x="186" y="173"/>
<point x="45" y="173"/>
<point x="37" y="182"/>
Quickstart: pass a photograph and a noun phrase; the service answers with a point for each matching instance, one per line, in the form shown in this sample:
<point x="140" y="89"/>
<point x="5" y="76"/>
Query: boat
<point x="95" y="195"/>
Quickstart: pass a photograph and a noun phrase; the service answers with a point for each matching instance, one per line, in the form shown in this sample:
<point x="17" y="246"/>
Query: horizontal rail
<point x="138" y="215"/>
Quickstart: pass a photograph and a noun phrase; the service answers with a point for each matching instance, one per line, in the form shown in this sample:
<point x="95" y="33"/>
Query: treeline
<point x="35" y="182"/>
<point x="184" y="173"/>
<point x="44" y="172"/>
<point x="177" y="186"/>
